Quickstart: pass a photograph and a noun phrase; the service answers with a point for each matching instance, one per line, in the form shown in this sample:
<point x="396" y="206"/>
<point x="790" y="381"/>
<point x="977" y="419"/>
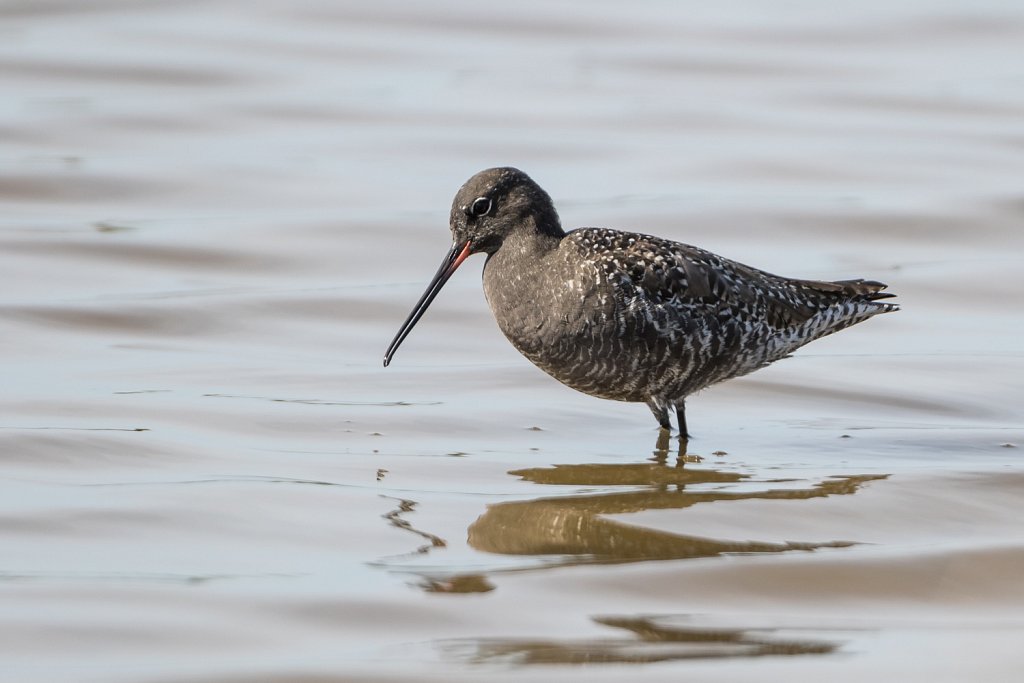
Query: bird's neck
<point x="532" y="239"/>
<point x="545" y="222"/>
<point x="523" y="254"/>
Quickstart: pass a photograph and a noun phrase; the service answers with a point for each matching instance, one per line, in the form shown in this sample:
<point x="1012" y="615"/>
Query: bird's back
<point x="641" y="316"/>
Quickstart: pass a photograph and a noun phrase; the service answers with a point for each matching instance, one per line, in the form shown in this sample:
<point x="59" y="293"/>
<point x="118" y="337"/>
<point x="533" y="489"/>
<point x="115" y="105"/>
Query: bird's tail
<point x="859" y="290"/>
<point x="869" y="290"/>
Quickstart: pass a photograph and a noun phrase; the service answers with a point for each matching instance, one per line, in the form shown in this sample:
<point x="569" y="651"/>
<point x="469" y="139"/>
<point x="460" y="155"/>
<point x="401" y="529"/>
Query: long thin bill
<point x="452" y="260"/>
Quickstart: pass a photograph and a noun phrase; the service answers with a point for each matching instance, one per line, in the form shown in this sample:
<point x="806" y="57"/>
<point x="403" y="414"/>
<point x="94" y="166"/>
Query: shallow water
<point x="217" y="214"/>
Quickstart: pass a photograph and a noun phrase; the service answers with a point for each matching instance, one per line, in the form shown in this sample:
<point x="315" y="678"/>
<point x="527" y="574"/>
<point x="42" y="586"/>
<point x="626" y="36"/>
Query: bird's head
<point x="491" y="207"/>
<point x="496" y="203"/>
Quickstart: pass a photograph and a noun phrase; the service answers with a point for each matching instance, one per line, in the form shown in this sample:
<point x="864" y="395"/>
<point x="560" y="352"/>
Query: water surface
<point x="217" y="214"/>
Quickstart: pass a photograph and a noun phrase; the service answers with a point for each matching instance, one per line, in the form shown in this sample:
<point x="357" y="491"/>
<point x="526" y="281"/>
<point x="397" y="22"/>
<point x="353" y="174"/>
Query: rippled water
<point x="216" y="215"/>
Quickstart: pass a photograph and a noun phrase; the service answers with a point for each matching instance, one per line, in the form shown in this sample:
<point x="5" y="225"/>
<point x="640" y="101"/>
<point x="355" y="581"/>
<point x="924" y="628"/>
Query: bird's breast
<point x="543" y="307"/>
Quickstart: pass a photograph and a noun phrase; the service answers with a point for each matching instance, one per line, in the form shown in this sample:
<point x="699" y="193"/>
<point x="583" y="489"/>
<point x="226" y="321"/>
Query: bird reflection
<point x="575" y="530"/>
<point x="650" y="639"/>
<point x="663" y="445"/>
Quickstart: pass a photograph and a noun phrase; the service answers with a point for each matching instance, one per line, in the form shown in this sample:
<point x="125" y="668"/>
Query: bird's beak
<point x="452" y="260"/>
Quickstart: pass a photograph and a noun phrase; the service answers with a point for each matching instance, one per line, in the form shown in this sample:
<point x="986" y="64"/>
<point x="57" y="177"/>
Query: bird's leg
<point x="660" y="410"/>
<point x="684" y="438"/>
<point x="684" y="433"/>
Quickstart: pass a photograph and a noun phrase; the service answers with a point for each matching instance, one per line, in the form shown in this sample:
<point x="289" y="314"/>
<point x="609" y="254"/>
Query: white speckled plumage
<point x="628" y="316"/>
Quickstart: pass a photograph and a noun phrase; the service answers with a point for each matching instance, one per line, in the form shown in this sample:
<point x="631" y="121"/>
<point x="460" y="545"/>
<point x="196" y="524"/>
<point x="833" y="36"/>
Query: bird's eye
<point x="481" y="206"/>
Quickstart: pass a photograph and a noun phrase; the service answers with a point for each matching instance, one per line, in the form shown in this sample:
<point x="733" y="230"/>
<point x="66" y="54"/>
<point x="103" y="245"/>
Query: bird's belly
<point x="569" y="335"/>
<point x="601" y="342"/>
<point x="595" y="355"/>
<point x="630" y="359"/>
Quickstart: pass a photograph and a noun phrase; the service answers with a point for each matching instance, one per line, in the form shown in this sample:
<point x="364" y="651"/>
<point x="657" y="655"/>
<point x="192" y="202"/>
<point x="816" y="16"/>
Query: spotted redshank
<point x="628" y="316"/>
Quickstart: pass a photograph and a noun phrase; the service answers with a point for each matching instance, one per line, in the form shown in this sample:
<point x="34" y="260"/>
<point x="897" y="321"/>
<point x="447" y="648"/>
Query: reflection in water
<point x="575" y="530"/>
<point x="465" y="583"/>
<point x="655" y="639"/>
<point x="661" y="449"/>
<point x="396" y="519"/>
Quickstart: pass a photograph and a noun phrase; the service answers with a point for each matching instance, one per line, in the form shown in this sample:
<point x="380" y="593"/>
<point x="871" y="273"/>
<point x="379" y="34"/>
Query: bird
<point x="625" y="315"/>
